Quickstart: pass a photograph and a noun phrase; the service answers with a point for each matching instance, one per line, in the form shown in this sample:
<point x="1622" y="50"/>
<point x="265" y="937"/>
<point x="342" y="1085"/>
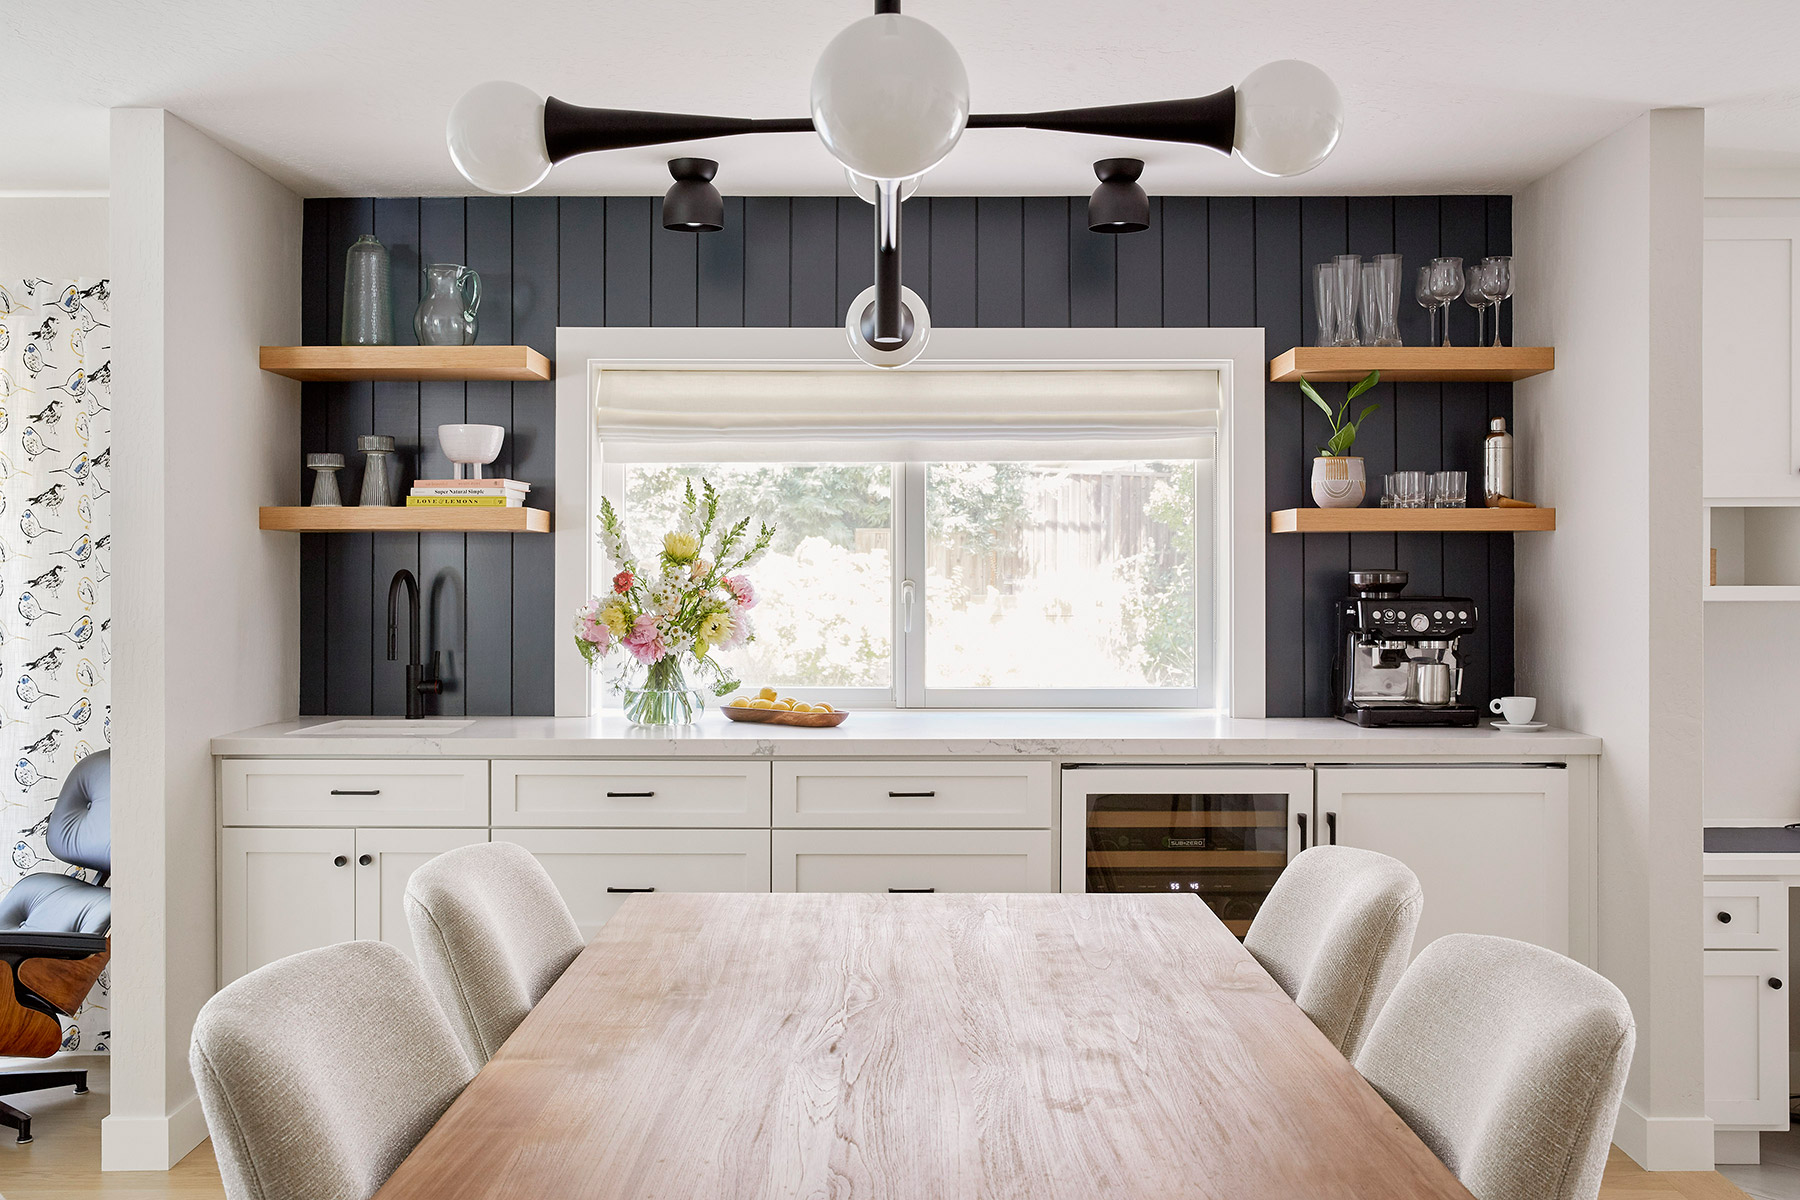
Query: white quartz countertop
<point x="876" y="734"/>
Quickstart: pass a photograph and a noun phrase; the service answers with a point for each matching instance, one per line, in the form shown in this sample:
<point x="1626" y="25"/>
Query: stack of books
<point x="468" y="493"/>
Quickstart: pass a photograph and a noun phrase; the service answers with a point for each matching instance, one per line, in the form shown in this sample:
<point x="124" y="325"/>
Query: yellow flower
<point x="700" y="648"/>
<point x="716" y="627"/>
<point x="613" y="617"/>
<point x="681" y="547"/>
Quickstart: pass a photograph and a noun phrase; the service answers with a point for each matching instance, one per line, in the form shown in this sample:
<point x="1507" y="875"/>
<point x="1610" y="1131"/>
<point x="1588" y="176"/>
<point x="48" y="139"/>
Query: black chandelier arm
<point x="570" y="129"/>
<point x="1198" y="121"/>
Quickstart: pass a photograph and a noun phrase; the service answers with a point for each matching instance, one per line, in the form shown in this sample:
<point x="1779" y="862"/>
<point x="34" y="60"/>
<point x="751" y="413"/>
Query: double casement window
<point x="948" y="538"/>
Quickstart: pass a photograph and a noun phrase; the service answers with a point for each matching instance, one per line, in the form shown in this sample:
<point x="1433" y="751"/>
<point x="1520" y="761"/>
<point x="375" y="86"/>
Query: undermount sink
<point x="391" y="727"/>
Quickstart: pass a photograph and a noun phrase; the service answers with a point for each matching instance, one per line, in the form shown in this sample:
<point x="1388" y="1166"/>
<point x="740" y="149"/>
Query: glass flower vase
<point x="659" y="694"/>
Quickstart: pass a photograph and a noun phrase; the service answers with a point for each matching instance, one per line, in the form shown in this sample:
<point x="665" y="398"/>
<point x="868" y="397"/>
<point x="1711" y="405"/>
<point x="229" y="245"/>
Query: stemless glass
<point x="1446" y="286"/>
<point x="1388" y="486"/>
<point x="1502" y="281"/>
<point x="1390" y="268"/>
<point x="1325" y="301"/>
<point x="1477" y="294"/>
<point x="1409" y="489"/>
<point x="1349" y="282"/>
<point x="1371" y="304"/>
<point x="1450" y="489"/>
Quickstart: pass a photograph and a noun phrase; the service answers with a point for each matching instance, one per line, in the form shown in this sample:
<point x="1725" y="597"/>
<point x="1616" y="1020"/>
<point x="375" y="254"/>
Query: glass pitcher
<point x="446" y="315"/>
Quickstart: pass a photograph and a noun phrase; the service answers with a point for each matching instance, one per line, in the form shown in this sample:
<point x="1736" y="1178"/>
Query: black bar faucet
<point x="418" y="683"/>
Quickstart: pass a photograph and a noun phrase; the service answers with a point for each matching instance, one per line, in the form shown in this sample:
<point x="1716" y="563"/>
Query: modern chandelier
<point x="890" y="99"/>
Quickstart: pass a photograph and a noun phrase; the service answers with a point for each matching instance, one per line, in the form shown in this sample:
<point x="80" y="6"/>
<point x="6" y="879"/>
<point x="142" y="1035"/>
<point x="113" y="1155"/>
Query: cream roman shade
<point x="861" y="415"/>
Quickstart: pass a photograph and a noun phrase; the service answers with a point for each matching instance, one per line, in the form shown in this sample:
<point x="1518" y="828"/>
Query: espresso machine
<point x="1397" y="656"/>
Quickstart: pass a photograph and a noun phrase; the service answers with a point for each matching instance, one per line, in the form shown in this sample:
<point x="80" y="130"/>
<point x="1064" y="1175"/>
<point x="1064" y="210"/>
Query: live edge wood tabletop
<point x="928" y="1046"/>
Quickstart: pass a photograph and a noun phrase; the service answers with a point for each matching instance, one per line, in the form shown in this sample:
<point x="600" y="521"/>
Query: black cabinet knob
<point x="1776" y="984"/>
<point x="365" y="859"/>
<point x="340" y="861"/>
<point x="1724" y="918"/>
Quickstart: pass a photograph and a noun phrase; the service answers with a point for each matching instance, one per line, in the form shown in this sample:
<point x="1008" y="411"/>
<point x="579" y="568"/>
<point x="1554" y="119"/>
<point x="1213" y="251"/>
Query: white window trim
<point x="1236" y="354"/>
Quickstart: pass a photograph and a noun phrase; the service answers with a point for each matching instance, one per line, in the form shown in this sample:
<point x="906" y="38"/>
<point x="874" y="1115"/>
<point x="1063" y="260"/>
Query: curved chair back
<point x="1335" y="933"/>
<point x="1508" y="1060"/>
<point x="319" y="1073"/>
<point x="492" y="934"/>
<point x="80" y="829"/>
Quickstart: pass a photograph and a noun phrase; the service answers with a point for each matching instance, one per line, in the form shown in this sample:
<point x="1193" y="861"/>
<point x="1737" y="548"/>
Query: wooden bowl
<point x="781" y="716"/>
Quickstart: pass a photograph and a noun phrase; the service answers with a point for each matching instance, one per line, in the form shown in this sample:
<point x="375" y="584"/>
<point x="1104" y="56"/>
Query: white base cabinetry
<point x="1745" y="934"/>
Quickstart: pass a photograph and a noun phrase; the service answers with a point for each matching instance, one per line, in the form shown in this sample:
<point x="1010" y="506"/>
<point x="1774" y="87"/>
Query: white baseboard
<point x="1664" y="1143"/>
<point x="151" y="1143"/>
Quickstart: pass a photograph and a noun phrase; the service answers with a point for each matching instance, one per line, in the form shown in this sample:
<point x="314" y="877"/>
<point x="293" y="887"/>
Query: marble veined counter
<point x="1075" y="735"/>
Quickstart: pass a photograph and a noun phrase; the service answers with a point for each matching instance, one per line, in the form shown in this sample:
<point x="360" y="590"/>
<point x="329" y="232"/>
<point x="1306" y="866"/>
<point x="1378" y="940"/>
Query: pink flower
<point x="740" y="589"/>
<point x="597" y="633"/>
<point x="622" y="582"/>
<point x="645" y="641"/>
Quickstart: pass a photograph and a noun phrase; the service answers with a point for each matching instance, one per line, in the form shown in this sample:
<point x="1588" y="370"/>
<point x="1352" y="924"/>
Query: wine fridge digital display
<point x="1222" y="835"/>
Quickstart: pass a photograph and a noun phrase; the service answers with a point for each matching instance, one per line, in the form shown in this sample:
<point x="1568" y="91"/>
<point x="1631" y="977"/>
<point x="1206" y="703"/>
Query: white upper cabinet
<point x="1749" y="342"/>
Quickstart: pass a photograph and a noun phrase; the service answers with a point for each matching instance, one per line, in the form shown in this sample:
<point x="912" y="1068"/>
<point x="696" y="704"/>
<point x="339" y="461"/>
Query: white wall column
<point x="205" y="259"/>
<point x="1608" y="611"/>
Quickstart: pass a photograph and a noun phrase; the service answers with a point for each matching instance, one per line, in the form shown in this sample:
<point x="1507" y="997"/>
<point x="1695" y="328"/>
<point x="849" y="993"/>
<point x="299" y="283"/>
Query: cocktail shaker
<point x="1497" y="463"/>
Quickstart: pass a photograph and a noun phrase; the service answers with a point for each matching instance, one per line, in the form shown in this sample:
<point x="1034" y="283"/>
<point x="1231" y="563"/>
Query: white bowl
<point x="475" y="445"/>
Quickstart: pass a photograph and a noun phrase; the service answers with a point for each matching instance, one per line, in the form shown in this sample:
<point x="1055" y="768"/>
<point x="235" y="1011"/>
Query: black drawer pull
<point x="340" y="861"/>
<point x="1724" y="918"/>
<point x="629" y="795"/>
<point x="1776" y="984"/>
<point x="363" y="860"/>
<point x="910" y="890"/>
<point x="912" y="795"/>
<point x="356" y="791"/>
<point x="618" y="890"/>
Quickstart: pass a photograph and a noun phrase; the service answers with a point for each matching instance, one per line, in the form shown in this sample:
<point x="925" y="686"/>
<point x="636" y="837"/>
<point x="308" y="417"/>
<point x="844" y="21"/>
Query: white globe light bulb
<point x="890" y="97"/>
<point x="496" y="136"/>
<point x="1289" y="117"/>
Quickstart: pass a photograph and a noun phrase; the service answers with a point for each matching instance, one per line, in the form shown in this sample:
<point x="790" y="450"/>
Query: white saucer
<point x="1527" y="727"/>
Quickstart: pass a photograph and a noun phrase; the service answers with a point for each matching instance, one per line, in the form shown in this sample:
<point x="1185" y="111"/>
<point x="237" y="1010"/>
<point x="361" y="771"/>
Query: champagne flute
<point x="1425" y="295"/>
<point x="1502" y="285"/>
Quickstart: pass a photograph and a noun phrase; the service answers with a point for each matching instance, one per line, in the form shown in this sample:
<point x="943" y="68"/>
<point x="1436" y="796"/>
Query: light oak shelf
<point x="1412" y="520"/>
<point x="1412" y="364"/>
<point x="406" y="520"/>
<point x="349" y="364"/>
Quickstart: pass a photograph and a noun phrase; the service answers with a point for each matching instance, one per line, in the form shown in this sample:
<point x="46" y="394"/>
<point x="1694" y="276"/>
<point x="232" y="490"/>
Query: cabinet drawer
<point x="942" y="860"/>
<point x="339" y="792"/>
<point x="621" y="793"/>
<point x="912" y="795"/>
<point x="1745" y="915"/>
<point x="596" y="870"/>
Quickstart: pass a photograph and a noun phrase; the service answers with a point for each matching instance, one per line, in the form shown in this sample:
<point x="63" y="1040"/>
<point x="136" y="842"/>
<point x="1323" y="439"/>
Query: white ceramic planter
<point x="1338" y="482"/>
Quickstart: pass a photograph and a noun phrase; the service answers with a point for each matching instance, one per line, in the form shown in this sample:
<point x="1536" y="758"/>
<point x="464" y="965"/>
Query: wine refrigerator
<point x="1221" y="834"/>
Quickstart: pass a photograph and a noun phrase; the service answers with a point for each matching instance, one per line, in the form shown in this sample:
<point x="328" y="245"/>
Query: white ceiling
<point x="338" y="97"/>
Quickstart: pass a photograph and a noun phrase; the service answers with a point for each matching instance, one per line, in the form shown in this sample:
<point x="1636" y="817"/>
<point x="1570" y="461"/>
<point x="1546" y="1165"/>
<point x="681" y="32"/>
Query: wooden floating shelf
<point x="1412" y="364"/>
<point x="348" y="364"/>
<point x="406" y="520"/>
<point x="1412" y="520"/>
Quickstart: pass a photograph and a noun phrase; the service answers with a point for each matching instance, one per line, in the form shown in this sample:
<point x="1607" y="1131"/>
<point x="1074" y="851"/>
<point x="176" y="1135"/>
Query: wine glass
<point x="1446" y="285"/>
<point x="1477" y="294"/>
<point x="1424" y="294"/>
<point x="1502" y="285"/>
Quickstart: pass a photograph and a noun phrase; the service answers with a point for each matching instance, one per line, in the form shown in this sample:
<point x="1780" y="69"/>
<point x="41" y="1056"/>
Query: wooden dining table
<point x="912" y="1046"/>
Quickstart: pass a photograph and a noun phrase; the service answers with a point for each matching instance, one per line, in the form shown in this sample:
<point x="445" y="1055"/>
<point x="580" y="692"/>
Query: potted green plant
<point x="1338" y="480"/>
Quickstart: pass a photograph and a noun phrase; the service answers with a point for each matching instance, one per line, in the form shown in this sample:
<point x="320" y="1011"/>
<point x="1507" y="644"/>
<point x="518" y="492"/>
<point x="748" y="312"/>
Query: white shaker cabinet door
<point x="1750" y="414"/>
<point x="1746" y="1037"/>
<point x="385" y="860"/>
<point x="282" y="891"/>
<point x="1490" y="845"/>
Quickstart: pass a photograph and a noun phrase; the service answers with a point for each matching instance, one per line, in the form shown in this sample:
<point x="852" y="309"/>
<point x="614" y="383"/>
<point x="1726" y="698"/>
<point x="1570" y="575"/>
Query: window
<point x="1028" y="535"/>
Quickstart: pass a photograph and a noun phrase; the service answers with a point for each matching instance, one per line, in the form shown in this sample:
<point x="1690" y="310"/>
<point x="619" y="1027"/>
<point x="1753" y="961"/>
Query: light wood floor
<point x="64" y="1162"/>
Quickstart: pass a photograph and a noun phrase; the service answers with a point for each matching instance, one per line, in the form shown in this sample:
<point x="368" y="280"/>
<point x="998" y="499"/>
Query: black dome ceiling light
<point x="890" y="98"/>
<point x="1119" y="205"/>
<point x="692" y="204"/>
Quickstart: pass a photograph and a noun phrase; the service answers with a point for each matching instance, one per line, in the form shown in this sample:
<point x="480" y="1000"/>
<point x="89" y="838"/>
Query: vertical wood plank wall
<point x="992" y="261"/>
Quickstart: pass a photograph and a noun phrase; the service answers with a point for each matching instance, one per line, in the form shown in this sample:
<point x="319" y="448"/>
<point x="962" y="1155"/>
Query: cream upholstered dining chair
<point x="492" y="934"/>
<point x="1335" y="933"/>
<point x="1508" y="1060"/>
<point x="319" y="1073"/>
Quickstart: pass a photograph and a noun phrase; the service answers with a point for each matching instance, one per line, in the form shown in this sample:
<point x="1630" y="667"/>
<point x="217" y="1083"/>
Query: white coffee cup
<point x="1518" y="710"/>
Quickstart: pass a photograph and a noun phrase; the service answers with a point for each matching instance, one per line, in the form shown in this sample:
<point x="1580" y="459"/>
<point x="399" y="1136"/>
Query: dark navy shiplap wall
<point x="545" y="262"/>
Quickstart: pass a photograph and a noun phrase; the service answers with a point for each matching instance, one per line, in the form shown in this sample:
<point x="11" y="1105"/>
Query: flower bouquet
<point x="668" y="626"/>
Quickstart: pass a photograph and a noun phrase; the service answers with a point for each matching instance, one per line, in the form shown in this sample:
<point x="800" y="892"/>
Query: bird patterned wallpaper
<point x="55" y="560"/>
